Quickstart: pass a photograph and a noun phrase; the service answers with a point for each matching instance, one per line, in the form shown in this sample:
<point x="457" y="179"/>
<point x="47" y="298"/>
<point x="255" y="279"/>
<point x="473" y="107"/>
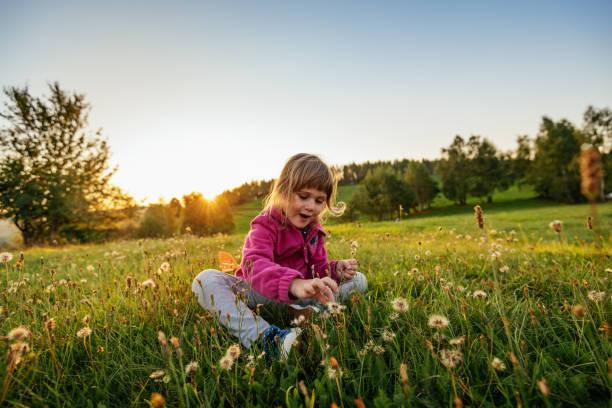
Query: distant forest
<point x="55" y="180"/>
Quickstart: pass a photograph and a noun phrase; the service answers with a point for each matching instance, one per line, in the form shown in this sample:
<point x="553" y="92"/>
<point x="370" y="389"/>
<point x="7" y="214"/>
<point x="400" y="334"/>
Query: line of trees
<point x="475" y="167"/>
<point x="247" y="192"/>
<point x="55" y="180"/>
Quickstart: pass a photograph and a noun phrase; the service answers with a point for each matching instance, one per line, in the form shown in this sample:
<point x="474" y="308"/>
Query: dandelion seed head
<point x="226" y="362"/>
<point x="437" y="321"/>
<point x="191" y="367"/>
<point x="164" y="267"/>
<point x="497" y="364"/>
<point x="19" y="333"/>
<point x="450" y="358"/>
<point x="400" y="305"/>
<point x="388" y="335"/>
<point x="458" y="341"/>
<point x="233" y="351"/>
<point x="5" y="257"/>
<point x="556" y="226"/>
<point x="84" y="332"/>
<point x="335" y="308"/>
<point x="298" y="321"/>
<point x="157" y="374"/>
<point x="479" y="294"/>
<point x="334" y="373"/>
<point x="149" y="283"/>
<point x="596" y="296"/>
<point x="17" y="349"/>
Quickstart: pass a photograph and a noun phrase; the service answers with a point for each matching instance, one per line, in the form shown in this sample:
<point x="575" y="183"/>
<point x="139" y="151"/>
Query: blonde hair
<point x="304" y="170"/>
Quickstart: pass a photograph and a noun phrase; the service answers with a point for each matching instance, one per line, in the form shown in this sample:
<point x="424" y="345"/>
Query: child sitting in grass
<point x="283" y="260"/>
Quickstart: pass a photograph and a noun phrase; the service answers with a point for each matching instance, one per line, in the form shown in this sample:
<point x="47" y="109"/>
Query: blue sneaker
<point x="277" y="342"/>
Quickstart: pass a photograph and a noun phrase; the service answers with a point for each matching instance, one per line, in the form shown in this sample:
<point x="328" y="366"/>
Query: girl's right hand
<point x="321" y="289"/>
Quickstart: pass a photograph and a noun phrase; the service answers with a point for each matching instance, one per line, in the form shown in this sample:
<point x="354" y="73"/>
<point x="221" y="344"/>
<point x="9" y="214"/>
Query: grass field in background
<point x="528" y="311"/>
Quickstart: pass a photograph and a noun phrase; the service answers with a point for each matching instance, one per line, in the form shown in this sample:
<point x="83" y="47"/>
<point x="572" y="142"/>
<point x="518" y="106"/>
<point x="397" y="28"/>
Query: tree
<point x="381" y="193"/>
<point x="205" y="217"/>
<point x="221" y="219"/>
<point x="488" y="169"/>
<point x="196" y="213"/>
<point x="521" y="159"/>
<point x="598" y="128"/>
<point x="54" y="173"/>
<point x="554" y="171"/>
<point x="161" y="220"/>
<point x="424" y="186"/>
<point x="454" y="171"/>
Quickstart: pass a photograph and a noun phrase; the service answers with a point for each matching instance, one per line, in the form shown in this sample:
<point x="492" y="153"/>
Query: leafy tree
<point x="598" y="128"/>
<point x="521" y="159"/>
<point x="554" y="171"/>
<point x="54" y="173"/>
<point x="424" y="186"/>
<point x="454" y="171"/>
<point x="205" y="217"/>
<point x="195" y="215"/>
<point x="382" y="192"/>
<point x="474" y="167"/>
<point x="489" y="171"/>
<point x="161" y="220"/>
<point x="221" y="219"/>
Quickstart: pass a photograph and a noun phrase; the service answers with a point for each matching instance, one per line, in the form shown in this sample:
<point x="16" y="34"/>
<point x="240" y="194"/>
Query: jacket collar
<point x="278" y="216"/>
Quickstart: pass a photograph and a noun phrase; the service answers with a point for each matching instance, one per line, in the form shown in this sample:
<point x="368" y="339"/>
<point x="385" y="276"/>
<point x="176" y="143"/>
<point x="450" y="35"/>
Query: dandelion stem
<point x="339" y="392"/>
<point x="55" y="365"/>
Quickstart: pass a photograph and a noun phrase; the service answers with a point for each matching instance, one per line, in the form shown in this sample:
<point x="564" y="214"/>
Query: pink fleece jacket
<point x="274" y="254"/>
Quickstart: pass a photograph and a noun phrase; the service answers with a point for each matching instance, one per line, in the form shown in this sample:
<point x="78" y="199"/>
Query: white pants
<point x="231" y="299"/>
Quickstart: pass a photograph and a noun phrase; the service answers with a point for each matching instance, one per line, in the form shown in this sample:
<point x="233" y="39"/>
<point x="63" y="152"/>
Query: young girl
<point x="283" y="259"/>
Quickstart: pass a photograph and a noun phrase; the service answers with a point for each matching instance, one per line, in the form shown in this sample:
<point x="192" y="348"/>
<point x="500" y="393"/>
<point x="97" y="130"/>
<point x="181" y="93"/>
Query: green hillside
<point x="512" y="198"/>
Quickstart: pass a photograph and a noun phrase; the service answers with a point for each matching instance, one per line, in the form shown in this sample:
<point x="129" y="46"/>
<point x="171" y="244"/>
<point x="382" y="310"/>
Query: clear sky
<point x="203" y="96"/>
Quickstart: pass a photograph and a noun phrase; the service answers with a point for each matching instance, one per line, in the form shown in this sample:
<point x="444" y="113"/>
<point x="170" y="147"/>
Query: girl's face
<point x="305" y="206"/>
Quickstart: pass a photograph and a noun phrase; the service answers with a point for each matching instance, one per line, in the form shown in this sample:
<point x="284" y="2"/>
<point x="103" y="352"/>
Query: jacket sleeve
<point x="323" y="267"/>
<point x="260" y="271"/>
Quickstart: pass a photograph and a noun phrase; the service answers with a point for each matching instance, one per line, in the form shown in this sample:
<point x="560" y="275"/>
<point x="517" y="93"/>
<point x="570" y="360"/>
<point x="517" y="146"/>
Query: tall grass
<point x="528" y="321"/>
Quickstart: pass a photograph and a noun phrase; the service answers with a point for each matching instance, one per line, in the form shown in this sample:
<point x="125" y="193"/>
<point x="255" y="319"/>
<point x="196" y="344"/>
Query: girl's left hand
<point x="347" y="268"/>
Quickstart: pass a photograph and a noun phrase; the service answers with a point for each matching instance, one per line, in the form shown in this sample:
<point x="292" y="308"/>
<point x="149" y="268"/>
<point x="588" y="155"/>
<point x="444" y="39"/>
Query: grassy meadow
<point x="511" y="315"/>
